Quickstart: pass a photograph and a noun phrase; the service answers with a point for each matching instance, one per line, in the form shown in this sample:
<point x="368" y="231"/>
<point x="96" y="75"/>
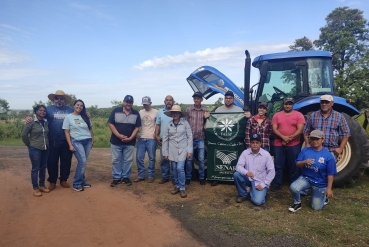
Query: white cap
<point x="326" y="97"/>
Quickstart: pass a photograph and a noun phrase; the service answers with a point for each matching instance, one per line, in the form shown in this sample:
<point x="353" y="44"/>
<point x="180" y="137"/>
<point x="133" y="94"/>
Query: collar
<point x="35" y="119"/>
<point x="193" y="108"/>
<point x="250" y="151"/>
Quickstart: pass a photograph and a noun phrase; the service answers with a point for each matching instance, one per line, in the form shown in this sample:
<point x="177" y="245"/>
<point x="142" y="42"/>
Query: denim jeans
<point x="83" y="148"/>
<point x="179" y="174"/>
<point x="143" y="145"/>
<point x="39" y="162"/>
<point x="317" y="194"/>
<point x="121" y="161"/>
<point x="200" y="145"/>
<point x="59" y="150"/>
<point x="285" y="154"/>
<point x="164" y="165"/>
<point x="257" y="196"/>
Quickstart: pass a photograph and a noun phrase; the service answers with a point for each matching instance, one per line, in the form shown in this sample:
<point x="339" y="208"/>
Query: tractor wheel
<point x="353" y="161"/>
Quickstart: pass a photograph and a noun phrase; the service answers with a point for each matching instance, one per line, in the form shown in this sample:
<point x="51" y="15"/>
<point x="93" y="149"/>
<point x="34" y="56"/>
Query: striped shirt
<point x="196" y="120"/>
<point x="264" y="130"/>
<point x="333" y="126"/>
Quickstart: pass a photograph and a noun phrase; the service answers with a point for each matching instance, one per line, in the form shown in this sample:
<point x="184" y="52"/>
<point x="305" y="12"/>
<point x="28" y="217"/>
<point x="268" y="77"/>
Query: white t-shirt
<point x="148" y="119"/>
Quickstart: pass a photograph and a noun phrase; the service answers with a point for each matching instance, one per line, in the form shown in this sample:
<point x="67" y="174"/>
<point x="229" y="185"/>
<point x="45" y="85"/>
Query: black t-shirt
<point x="125" y="125"/>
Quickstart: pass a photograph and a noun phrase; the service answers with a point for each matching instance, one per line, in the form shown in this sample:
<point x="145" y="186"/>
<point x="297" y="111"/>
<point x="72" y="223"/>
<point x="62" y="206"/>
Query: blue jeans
<point x="83" y="148"/>
<point x="121" y="161"/>
<point x="282" y="155"/>
<point x="179" y="174"/>
<point x="39" y="162"/>
<point x="200" y="145"/>
<point x="164" y="165"/>
<point x="257" y="196"/>
<point x="317" y="194"/>
<point x="143" y="145"/>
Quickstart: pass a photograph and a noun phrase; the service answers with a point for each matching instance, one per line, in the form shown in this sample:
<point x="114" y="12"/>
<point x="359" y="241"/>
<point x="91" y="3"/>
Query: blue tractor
<point x="305" y="76"/>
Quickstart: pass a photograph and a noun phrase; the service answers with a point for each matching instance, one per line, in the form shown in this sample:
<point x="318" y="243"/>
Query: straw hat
<point x="60" y="93"/>
<point x="175" y="108"/>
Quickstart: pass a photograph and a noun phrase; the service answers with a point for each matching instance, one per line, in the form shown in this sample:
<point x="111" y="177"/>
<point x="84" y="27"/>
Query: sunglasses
<point x="324" y="102"/>
<point x="58" y="98"/>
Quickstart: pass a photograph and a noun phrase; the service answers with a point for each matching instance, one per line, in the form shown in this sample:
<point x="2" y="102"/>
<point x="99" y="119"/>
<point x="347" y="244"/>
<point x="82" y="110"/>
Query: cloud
<point x="21" y="73"/>
<point x="94" y="11"/>
<point x="207" y="55"/>
<point x="13" y="28"/>
<point x="7" y="58"/>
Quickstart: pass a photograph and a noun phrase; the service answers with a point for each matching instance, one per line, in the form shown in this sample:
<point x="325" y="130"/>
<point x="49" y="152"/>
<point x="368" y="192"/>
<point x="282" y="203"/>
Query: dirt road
<point x="98" y="216"/>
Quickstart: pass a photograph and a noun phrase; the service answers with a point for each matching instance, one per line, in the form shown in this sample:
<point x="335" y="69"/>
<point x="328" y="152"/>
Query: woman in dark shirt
<point x="34" y="136"/>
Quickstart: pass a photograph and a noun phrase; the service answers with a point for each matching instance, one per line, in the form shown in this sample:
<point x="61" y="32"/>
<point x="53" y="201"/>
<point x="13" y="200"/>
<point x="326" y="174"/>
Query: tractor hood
<point x="209" y="81"/>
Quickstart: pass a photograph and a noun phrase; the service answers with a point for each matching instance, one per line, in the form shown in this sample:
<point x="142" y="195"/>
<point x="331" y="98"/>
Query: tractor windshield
<point x="286" y="78"/>
<point x="295" y="78"/>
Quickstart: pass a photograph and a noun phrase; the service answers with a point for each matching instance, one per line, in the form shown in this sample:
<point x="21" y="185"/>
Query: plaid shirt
<point x="264" y="130"/>
<point x="334" y="126"/>
<point x="196" y="120"/>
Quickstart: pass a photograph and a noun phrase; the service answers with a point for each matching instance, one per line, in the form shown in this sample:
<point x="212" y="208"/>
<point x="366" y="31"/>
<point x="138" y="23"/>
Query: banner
<point x="225" y="135"/>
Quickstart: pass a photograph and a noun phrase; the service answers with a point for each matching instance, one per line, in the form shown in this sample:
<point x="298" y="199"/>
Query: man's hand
<point x="71" y="148"/>
<point x="247" y="114"/>
<point x="138" y="137"/>
<point x="259" y="187"/>
<point x="286" y="139"/>
<point x="158" y="139"/>
<point x="189" y="155"/>
<point x="250" y="174"/>
<point x="338" y="150"/>
<point x="309" y="161"/>
<point x="329" y="193"/>
<point x="29" y="120"/>
<point x="126" y="139"/>
<point x="206" y="114"/>
<point x="166" y="157"/>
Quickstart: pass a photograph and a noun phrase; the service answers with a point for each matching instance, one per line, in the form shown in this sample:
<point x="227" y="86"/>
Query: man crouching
<point x="318" y="168"/>
<point x="254" y="172"/>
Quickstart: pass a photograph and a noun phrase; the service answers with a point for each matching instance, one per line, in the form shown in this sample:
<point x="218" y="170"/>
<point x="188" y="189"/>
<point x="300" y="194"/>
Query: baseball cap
<point x="255" y="137"/>
<point x="146" y="100"/>
<point x="229" y="93"/>
<point x="289" y="99"/>
<point x="326" y="97"/>
<point x="128" y="98"/>
<point x="197" y="94"/>
<point x="263" y="104"/>
<point x="317" y="134"/>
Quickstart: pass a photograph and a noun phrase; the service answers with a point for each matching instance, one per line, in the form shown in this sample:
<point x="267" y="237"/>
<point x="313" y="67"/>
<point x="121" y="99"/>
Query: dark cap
<point x="255" y="137"/>
<point x="128" y="98"/>
<point x="197" y="94"/>
<point x="289" y="99"/>
<point x="263" y="104"/>
<point x="229" y="93"/>
<point x="146" y="100"/>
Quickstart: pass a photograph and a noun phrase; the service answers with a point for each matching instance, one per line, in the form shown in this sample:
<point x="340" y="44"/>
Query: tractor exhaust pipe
<point x="246" y="85"/>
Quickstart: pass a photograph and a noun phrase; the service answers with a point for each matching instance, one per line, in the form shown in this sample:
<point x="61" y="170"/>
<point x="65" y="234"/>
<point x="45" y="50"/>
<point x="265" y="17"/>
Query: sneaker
<point x="37" y="193"/>
<point x="115" y="183"/>
<point x="183" y="194"/>
<point x="64" y="184"/>
<point x="294" y="207"/>
<point x="326" y="201"/>
<point x="43" y="189"/>
<point x="174" y="191"/>
<point x="87" y="185"/>
<point x="202" y="182"/>
<point x="188" y="181"/>
<point x="78" y="188"/>
<point x="126" y="181"/>
<point x="52" y="186"/>
<point x="163" y="181"/>
<point x="241" y="199"/>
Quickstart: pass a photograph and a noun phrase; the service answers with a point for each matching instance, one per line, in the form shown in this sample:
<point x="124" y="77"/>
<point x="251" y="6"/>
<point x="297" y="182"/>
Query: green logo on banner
<point x="226" y="127"/>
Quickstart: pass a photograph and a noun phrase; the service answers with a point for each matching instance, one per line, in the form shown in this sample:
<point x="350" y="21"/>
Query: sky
<point x="103" y="50"/>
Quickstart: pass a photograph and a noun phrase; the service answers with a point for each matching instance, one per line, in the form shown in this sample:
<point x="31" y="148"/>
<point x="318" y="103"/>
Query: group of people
<point x="325" y="133"/>
<point x="59" y="131"/>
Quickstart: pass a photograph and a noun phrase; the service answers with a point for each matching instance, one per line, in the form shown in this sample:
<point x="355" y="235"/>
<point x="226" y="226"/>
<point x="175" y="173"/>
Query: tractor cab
<point x="299" y="75"/>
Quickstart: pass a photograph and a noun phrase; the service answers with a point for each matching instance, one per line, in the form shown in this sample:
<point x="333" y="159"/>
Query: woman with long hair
<point x="78" y="132"/>
<point x="34" y="136"/>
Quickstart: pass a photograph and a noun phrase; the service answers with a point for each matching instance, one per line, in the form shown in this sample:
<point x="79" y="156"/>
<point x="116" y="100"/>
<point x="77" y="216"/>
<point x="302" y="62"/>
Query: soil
<point x="98" y="216"/>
